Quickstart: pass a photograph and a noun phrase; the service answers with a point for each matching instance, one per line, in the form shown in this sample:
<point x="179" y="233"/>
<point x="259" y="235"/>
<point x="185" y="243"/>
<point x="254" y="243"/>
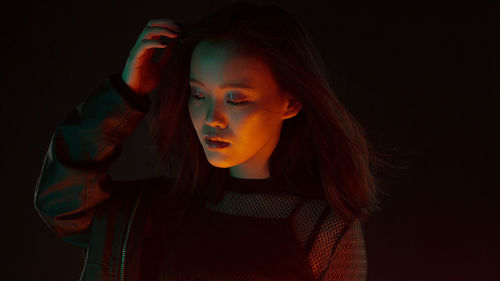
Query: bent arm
<point x="74" y="179"/>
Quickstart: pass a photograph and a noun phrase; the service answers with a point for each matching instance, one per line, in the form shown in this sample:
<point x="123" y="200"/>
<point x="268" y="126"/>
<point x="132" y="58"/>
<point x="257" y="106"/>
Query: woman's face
<point x="235" y="98"/>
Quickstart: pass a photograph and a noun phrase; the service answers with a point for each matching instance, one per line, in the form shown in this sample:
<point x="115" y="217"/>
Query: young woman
<point x="267" y="176"/>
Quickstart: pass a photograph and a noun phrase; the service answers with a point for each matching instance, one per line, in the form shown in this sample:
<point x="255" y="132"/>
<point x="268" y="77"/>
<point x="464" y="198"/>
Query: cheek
<point x="254" y="127"/>
<point x="196" y="120"/>
<point x="195" y="114"/>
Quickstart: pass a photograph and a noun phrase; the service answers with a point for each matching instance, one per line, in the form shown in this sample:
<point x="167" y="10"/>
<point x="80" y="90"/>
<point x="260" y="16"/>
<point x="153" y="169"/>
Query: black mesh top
<point x="256" y="229"/>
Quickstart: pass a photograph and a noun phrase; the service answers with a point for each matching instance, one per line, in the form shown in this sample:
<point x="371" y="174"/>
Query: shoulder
<point x="318" y="211"/>
<point x="315" y="217"/>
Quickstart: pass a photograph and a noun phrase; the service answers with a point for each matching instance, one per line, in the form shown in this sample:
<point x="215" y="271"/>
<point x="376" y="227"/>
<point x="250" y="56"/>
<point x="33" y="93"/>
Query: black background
<point x="422" y="80"/>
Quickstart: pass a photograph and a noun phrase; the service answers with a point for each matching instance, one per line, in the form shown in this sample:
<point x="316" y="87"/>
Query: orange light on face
<point x="235" y="98"/>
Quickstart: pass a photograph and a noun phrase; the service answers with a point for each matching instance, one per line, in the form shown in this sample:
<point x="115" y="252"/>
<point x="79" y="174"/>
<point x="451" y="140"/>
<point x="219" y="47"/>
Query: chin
<point x="220" y="164"/>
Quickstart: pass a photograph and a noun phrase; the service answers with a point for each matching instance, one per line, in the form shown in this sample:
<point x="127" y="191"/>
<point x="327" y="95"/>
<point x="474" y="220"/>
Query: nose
<point x="215" y="117"/>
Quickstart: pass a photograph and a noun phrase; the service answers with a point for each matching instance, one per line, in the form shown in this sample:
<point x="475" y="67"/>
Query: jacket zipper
<point x="124" y="249"/>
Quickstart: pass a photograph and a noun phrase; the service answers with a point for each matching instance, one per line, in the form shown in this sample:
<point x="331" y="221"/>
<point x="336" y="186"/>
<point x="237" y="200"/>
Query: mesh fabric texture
<point x="332" y="249"/>
<point x="318" y="230"/>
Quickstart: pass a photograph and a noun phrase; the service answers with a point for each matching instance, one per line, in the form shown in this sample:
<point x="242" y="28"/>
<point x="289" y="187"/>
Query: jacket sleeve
<point x="348" y="260"/>
<point x="74" y="179"/>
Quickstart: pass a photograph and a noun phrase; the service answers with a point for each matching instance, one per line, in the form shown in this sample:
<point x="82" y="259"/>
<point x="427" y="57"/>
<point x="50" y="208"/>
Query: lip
<point x="215" y="144"/>
<point x="216" y="138"/>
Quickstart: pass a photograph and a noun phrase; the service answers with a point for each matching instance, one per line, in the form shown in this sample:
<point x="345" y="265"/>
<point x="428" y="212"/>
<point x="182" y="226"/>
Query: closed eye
<point x="198" y="97"/>
<point x="237" y="102"/>
<point x="233" y="102"/>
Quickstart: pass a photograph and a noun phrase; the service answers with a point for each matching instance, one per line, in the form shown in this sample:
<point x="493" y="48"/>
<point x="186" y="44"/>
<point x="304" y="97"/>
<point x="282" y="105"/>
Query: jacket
<point x="83" y="206"/>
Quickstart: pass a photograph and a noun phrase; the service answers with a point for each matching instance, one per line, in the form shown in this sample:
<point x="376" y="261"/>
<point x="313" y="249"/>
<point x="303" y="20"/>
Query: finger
<point x="169" y="23"/>
<point x="147" y="46"/>
<point x="150" y="32"/>
<point x="152" y="43"/>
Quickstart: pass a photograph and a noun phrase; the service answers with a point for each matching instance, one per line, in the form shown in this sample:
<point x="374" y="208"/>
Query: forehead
<point x="215" y="63"/>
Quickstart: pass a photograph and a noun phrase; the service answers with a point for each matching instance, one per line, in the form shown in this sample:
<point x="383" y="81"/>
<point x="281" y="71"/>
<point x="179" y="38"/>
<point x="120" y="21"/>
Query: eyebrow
<point x="240" y="85"/>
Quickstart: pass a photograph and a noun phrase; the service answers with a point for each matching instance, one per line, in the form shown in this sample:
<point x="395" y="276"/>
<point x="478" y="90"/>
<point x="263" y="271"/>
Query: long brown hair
<point x="323" y="148"/>
<point x="323" y="145"/>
